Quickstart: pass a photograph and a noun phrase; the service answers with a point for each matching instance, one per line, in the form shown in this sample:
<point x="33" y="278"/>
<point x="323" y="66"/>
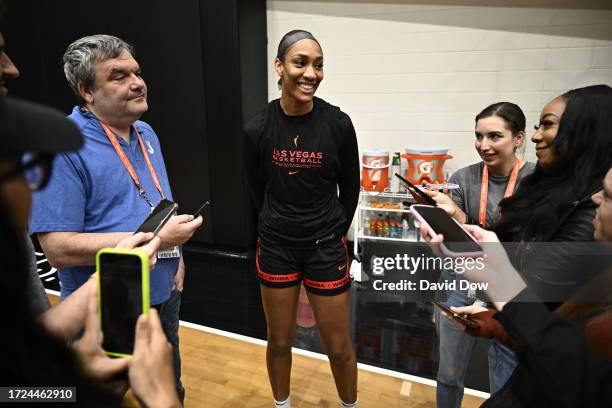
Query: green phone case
<point x="144" y="264"/>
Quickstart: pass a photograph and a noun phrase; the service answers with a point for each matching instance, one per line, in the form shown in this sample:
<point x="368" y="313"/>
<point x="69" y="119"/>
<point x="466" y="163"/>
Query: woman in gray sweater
<point x="500" y="132"/>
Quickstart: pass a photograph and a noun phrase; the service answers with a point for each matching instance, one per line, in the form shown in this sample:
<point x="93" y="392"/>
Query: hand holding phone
<point x="151" y="374"/>
<point x="98" y="364"/>
<point x="159" y="217"/>
<point x="457" y="241"/>
<point x="145" y="241"/>
<point x="460" y="318"/>
<point x="179" y="230"/>
<point x="123" y="295"/>
<point x="201" y="209"/>
<point x="419" y="196"/>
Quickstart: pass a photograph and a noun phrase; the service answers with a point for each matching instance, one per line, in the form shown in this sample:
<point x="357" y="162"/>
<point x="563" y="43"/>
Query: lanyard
<point x="484" y="190"/>
<point x="128" y="166"/>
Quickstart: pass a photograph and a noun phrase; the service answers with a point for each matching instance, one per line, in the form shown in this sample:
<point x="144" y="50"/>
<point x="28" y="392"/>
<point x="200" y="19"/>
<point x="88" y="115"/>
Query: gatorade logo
<point x="425" y="167"/>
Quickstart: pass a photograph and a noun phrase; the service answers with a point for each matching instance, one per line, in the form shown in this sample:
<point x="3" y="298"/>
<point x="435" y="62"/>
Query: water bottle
<point x="405" y="229"/>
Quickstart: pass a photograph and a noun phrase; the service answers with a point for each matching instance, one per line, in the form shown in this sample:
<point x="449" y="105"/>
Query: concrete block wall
<point x="412" y="72"/>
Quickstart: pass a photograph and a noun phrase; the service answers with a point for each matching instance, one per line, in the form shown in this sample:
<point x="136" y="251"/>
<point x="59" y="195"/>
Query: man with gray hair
<point x="100" y="194"/>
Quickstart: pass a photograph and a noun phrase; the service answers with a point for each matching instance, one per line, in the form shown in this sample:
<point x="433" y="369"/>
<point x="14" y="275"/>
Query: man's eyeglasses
<point x="35" y="168"/>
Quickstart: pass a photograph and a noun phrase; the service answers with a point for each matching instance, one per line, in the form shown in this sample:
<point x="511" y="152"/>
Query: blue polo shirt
<point x="91" y="191"/>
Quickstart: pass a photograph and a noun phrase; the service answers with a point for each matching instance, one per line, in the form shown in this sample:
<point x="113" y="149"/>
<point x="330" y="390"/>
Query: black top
<point x="556" y="264"/>
<point x="556" y="367"/>
<point x="303" y="173"/>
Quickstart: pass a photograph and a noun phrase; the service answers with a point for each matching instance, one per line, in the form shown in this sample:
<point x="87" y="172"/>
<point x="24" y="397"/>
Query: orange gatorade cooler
<point x="426" y="163"/>
<point x="375" y="170"/>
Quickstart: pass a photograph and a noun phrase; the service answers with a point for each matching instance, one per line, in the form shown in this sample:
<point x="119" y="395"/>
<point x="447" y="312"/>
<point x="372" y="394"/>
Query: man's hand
<point x="99" y="366"/>
<point x="179" y="278"/>
<point x="150" y="244"/>
<point x="151" y="373"/>
<point x="179" y="230"/>
<point x="67" y="318"/>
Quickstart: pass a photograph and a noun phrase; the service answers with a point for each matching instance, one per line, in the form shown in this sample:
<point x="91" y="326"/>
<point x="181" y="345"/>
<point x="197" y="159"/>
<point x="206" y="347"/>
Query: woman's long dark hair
<point x="582" y="153"/>
<point x="510" y="112"/>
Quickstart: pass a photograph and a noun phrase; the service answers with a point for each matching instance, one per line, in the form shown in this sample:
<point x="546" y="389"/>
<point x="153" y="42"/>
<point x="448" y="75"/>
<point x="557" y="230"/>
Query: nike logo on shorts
<point x="341" y="267"/>
<point x="291" y="173"/>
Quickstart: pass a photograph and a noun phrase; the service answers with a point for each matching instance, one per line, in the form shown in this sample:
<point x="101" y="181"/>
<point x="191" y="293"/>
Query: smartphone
<point x="457" y="241"/>
<point x="123" y="295"/>
<point x="202" y="207"/>
<point x="463" y="319"/>
<point x="158" y="217"/>
<point x="416" y="191"/>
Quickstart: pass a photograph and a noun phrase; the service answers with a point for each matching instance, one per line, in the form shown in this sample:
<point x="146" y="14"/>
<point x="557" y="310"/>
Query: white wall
<point x="410" y="73"/>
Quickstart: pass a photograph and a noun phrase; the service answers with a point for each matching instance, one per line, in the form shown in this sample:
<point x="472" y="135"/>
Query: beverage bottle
<point x="366" y="225"/>
<point x="403" y="167"/>
<point x="395" y="168"/>
<point x="380" y="225"/>
<point x="405" y="229"/>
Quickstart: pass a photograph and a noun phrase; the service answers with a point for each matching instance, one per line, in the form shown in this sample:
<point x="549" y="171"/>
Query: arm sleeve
<point x="556" y="353"/>
<point x="556" y="269"/>
<point x="348" y="181"/>
<point x="458" y="195"/>
<point x="37" y="297"/>
<point x="60" y="206"/>
<point x="253" y="168"/>
<point x="578" y="227"/>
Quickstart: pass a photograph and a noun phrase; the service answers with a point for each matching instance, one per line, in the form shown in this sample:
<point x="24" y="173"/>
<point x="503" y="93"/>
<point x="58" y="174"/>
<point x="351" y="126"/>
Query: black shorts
<point x="324" y="269"/>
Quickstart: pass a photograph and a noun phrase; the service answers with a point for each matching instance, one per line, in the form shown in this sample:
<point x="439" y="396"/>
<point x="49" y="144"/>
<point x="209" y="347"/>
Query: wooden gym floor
<point x="223" y="372"/>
